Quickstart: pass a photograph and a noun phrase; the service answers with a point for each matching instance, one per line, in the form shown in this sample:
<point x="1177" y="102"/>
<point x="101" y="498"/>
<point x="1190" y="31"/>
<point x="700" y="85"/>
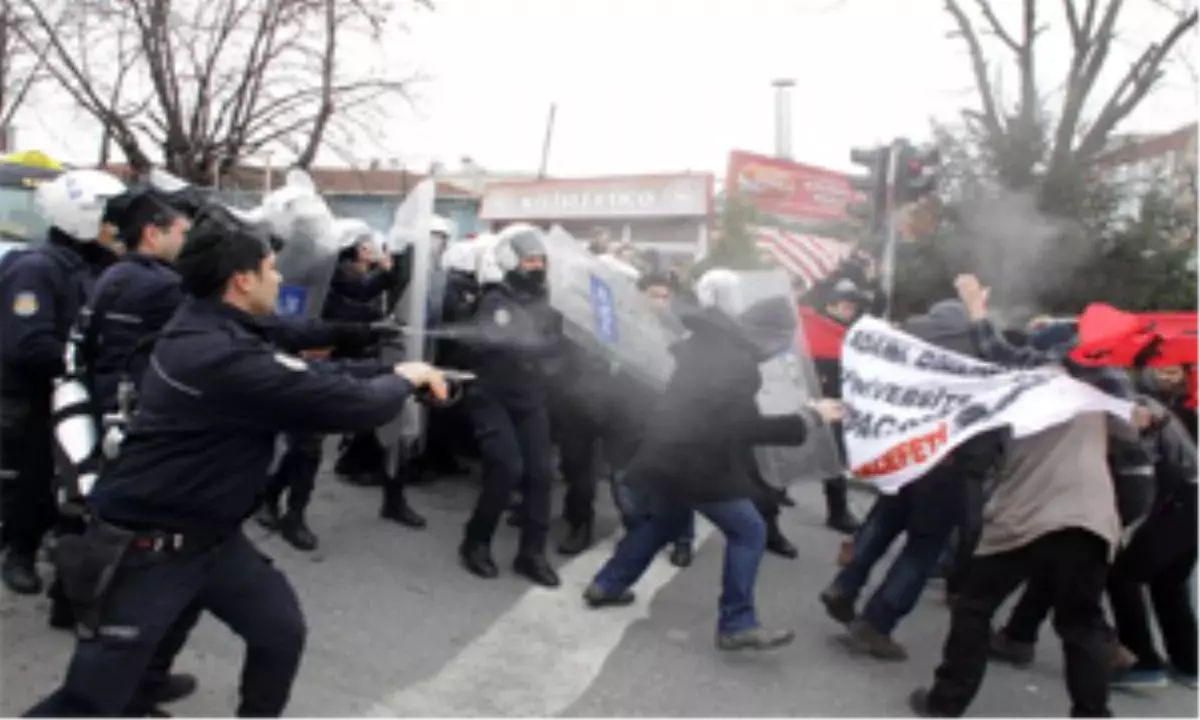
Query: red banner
<point x="789" y="190"/>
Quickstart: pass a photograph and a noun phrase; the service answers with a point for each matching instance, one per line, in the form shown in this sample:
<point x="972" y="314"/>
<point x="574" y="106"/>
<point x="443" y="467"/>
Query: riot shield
<point x="603" y="310"/>
<point x="411" y="226"/>
<point x="300" y="217"/>
<point x="789" y="382"/>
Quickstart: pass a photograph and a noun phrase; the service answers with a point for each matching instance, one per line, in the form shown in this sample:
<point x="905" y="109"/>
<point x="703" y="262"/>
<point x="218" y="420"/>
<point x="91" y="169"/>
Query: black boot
<point x="681" y="554"/>
<point x="177" y="687"/>
<point x="578" y="539"/>
<point x="268" y="515"/>
<point x="20" y="575"/>
<point x="396" y="508"/>
<point x="837" y="509"/>
<point x="296" y="532"/>
<point x="476" y="557"/>
<point x="777" y="543"/>
<point x="536" y="568"/>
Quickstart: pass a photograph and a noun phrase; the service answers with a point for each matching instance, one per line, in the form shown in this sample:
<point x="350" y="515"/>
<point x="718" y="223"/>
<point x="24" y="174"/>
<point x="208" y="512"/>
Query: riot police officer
<point x="41" y="292"/>
<point x="164" y="535"/>
<point x="518" y="332"/>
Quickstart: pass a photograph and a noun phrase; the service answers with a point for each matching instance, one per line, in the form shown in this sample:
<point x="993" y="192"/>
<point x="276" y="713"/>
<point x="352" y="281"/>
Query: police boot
<point x="777" y="543"/>
<point x="537" y="568"/>
<point x="177" y="687"/>
<point x="396" y="508"/>
<point x="20" y="575"/>
<point x="578" y="539"/>
<point x="837" y="510"/>
<point x="268" y="514"/>
<point x="296" y="532"/>
<point x="476" y="557"/>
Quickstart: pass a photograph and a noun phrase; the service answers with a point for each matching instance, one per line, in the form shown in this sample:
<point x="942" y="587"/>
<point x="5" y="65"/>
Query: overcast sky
<point x="673" y="85"/>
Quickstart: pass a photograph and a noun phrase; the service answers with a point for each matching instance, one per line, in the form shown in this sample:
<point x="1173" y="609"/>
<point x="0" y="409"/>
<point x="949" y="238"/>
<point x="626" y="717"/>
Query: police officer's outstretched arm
<point x="283" y="392"/>
<point x="363" y="287"/>
<point x="28" y="307"/>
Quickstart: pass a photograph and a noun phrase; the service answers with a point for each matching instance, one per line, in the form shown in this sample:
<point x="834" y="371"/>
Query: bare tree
<point x="21" y="65"/>
<point x="1030" y="146"/>
<point x="209" y="83"/>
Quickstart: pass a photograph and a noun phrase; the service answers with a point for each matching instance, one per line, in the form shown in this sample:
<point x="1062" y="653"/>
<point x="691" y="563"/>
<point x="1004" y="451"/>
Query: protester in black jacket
<point x="695" y="458"/>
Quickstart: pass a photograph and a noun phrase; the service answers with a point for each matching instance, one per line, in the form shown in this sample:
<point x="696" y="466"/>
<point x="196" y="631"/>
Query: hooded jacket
<point x="695" y="450"/>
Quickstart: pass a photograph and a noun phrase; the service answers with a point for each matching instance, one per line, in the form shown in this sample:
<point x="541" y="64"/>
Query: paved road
<point x="396" y="628"/>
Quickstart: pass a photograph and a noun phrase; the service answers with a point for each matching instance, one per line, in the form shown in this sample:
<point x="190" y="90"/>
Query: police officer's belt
<point x="148" y="540"/>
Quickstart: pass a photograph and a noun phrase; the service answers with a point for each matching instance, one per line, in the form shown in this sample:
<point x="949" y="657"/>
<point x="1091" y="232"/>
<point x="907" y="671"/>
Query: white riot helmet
<point x="439" y="225"/>
<point x="487" y="269"/>
<point x="353" y="231"/>
<point x="74" y="201"/>
<point x="461" y="256"/>
<point x="720" y="288"/>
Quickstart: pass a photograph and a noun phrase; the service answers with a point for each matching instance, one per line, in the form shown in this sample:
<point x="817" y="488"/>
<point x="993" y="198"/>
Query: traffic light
<point x="874" y="187"/>
<point x="916" y="174"/>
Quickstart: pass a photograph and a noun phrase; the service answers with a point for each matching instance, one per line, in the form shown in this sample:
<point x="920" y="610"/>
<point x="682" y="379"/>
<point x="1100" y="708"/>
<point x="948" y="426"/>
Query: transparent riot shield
<point x="411" y="226"/>
<point x="604" y="311"/>
<point x="789" y="382"/>
<point x="301" y="218"/>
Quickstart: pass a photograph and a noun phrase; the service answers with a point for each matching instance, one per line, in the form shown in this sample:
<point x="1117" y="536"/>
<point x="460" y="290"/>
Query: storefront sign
<point x="644" y="197"/>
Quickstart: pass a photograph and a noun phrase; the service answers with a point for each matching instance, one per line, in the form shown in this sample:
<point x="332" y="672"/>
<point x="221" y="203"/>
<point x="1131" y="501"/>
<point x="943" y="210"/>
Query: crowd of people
<point x="162" y="305"/>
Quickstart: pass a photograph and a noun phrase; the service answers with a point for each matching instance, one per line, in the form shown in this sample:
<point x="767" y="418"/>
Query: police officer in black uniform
<point x="519" y="332"/>
<point x="41" y="292"/>
<point x="167" y="514"/>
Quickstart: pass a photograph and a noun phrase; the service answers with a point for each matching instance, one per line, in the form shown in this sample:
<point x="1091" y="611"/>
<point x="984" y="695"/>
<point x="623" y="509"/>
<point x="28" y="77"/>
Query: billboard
<point x="636" y="197"/>
<point x="789" y="190"/>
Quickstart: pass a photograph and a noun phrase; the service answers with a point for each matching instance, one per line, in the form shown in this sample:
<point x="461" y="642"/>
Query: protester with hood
<point x="926" y="510"/>
<point x="696" y="456"/>
<point x="1052" y="519"/>
<point x="41" y="292"/>
<point x="518" y="333"/>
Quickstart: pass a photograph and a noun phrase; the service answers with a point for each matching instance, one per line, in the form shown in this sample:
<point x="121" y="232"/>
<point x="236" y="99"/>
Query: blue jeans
<point x="632" y="513"/>
<point x="745" y="541"/>
<point x="901" y="589"/>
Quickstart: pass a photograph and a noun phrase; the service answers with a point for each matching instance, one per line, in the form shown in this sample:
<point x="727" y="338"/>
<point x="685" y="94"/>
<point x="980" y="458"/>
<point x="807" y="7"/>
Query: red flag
<point x="1110" y="337"/>
<point x="822" y="335"/>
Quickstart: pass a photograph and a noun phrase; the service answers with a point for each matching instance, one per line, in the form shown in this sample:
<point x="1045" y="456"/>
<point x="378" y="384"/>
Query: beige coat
<point x="1054" y="480"/>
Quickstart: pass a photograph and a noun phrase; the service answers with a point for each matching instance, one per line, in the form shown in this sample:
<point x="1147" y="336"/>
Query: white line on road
<point x="541" y="656"/>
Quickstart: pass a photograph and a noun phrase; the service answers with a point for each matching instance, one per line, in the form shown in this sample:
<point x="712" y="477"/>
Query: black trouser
<point x="1160" y="557"/>
<point x="514" y="443"/>
<point x="1073" y="563"/>
<point x="360" y="453"/>
<point x="836" y="488"/>
<point x="297" y="472"/>
<point x="966" y="535"/>
<point x="159" y="596"/>
<point x="26" y="476"/>
<point x="578" y="437"/>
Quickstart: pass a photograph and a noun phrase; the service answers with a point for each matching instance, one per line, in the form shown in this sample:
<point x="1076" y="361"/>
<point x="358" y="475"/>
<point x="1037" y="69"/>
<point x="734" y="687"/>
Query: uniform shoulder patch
<point x="502" y="317"/>
<point x="25" y="304"/>
<point x="291" y="362"/>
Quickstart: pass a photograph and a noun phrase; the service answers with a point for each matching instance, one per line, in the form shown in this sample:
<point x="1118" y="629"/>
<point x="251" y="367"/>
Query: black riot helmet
<point x="521" y="255"/>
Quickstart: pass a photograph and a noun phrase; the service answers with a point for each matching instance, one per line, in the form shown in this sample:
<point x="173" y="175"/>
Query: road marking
<point x="541" y="656"/>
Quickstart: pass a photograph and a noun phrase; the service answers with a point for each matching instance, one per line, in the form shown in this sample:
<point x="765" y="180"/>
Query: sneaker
<point x="1135" y="679"/>
<point x="867" y="639"/>
<point x="754" y="639"/>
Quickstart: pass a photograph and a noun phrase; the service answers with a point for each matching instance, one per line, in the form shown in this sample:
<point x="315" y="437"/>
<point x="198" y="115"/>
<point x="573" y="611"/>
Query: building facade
<point x="666" y="213"/>
<point x="1139" y="164"/>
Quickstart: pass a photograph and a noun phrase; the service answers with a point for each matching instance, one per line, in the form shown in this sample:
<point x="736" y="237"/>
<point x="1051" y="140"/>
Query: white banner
<point x="909" y="403"/>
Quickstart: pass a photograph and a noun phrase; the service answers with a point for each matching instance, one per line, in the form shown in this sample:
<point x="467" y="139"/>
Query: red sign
<point x="788" y="189"/>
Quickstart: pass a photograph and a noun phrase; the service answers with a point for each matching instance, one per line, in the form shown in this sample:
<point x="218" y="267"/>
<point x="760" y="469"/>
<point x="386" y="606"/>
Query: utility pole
<point x="546" y="142"/>
<point x="783" y="117"/>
